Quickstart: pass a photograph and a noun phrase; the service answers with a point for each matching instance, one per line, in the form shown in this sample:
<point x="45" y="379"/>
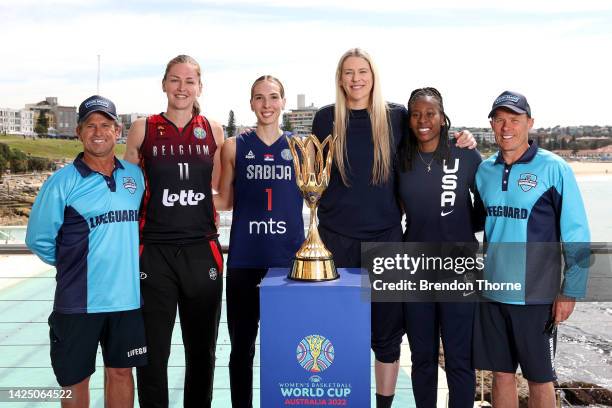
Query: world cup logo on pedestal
<point x="315" y="353"/>
<point x="312" y="162"/>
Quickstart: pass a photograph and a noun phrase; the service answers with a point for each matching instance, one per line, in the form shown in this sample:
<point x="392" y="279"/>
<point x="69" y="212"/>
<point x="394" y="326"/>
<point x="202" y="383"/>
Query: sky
<point x="556" y="52"/>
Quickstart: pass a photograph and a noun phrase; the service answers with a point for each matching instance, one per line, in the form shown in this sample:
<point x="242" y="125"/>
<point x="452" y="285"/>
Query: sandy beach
<point x="582" y="168"/>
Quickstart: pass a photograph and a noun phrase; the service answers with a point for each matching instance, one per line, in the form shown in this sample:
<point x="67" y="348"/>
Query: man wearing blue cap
<point x="85" y="223"/>
<point x="532" y="203"/>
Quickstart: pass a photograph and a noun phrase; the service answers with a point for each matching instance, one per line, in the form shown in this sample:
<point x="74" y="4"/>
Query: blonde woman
<point x="360" y="204"/>
<point x="256" y="190"/>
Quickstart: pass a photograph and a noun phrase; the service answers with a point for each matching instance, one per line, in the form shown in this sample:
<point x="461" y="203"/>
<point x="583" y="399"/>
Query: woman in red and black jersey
<point x="180" y="262"/>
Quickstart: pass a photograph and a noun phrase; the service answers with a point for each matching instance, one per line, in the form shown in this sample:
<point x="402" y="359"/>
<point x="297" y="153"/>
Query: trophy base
<point x="313" y="270"/>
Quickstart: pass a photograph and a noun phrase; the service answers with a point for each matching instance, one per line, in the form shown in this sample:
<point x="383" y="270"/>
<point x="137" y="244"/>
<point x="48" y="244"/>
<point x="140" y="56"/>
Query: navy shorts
<point x="75" y="337"/>
<point x="506" y="336"/>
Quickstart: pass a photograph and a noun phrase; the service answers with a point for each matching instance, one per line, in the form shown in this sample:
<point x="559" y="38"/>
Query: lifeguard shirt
<point x="177" y="165"/>
<point x="530" y="205"/>
<point x="267" y="224"/>
<point x="86" y="225"/>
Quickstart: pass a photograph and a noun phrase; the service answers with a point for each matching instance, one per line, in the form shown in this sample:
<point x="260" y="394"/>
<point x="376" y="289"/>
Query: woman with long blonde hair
<point x="368" y="133"/>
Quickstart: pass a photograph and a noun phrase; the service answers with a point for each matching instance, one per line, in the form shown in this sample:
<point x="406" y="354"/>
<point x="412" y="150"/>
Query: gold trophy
<point x="315" y="342"/>
<point x="313" y="262"/>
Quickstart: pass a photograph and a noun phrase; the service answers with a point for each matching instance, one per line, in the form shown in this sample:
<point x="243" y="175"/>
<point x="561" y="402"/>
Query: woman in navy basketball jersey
<point x="181" y="262"/>
<point x="258" y="182"/>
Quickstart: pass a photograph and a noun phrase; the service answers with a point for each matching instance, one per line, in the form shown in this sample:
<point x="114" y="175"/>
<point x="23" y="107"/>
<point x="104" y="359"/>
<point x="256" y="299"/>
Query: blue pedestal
<point x="297" y="318"/>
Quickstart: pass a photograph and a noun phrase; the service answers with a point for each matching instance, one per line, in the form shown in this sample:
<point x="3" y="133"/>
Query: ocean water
<point x="584" y="343"/>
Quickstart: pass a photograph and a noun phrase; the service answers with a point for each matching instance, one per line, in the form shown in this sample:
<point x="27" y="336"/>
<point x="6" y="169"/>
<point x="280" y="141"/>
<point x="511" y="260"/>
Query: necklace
<point x="428" y="165"/>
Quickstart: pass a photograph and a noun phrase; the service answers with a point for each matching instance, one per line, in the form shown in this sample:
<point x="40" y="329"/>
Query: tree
<point x="5" y="153"/>
<point x="42" y="124"/>
<point x="573" y="145"/>
<point x="39" y="163"/>
<point x="287" y="126"/>
<point x="231" y="124"/>
<point x="18" y="161"/>
<point x="3" y="166"/>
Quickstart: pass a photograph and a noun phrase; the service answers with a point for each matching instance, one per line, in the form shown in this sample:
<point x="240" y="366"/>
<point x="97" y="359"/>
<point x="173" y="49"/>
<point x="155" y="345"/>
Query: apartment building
<point x="62" y="119"/>
<point x="301" y="118"/>
<point x="126" y="120"/>
<point x="16" y="121"/>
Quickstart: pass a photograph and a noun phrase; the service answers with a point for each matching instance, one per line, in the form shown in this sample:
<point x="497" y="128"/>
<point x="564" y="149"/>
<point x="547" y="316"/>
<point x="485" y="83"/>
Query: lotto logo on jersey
<point x="183" y="198"/>
<point x="268" y="157"/>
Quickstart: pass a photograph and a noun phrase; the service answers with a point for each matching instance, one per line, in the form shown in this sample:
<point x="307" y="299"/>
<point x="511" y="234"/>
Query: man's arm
<point x="46" y="218"/>
<point x="576" y="238"/>
<point x="575" y="235"/>
<point x="465" y="139"/>
<point x="562" y="308"/>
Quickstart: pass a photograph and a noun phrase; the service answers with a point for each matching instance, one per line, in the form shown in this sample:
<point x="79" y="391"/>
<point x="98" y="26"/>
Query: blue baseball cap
<point x="97" y="103"/>
<point x="514" y="101"/>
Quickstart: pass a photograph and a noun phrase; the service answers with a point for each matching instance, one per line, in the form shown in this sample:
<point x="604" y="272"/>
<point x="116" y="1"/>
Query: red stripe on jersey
<point x="145" y="199"/>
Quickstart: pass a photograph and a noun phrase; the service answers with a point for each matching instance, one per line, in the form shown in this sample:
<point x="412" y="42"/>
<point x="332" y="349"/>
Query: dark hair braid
<point x="409" y="146"/>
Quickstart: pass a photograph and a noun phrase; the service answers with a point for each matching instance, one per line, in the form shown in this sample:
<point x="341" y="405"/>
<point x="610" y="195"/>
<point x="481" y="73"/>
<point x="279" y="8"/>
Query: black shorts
<point x="387" y="330"/>
<point x="388" y="327"/>
<point x="508" y="335"/>
<point x="75" y="337"/>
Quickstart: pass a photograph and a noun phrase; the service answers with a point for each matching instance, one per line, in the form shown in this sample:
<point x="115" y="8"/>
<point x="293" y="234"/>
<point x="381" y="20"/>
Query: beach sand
<point x="591" y="168"/>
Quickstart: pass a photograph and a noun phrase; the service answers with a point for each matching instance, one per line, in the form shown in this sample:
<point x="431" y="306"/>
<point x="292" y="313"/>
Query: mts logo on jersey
<point x="182" y="197"/>
<point x="449" y="185"/>
<point x="267" y="227"/>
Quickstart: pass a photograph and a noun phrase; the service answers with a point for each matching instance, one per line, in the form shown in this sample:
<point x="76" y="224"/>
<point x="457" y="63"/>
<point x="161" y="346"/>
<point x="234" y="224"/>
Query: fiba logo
<point x="315" y="353"/>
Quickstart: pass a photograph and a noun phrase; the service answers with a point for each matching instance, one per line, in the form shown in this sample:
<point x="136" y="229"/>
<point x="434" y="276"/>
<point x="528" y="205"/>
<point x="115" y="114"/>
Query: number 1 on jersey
<point x="269" y="192"/>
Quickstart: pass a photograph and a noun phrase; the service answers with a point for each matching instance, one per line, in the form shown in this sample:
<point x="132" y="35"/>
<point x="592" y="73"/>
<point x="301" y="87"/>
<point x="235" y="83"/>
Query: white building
<point x="62" y="119"/>
<point x="301" y="118"/>
<point x="126" y="120"/>
<point x="16" y="121"/>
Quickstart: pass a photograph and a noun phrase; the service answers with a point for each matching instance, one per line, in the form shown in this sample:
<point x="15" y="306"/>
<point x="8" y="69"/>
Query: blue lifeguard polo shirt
<point x="530" y="205"/>
<point x="86" y="225"/>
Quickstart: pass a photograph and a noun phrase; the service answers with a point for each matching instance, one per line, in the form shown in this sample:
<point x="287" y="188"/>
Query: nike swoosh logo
<point x="467" y="294"/>
<point x="444" y="214"/>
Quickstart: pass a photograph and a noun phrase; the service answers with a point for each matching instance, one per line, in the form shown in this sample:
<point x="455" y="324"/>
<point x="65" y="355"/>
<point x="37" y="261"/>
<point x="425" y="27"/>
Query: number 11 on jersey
<point x="183" y="171"/>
